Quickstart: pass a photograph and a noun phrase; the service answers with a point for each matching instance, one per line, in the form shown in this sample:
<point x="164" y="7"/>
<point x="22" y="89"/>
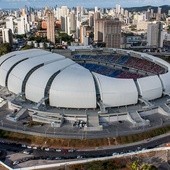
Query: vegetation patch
<point x="81" y="143"/>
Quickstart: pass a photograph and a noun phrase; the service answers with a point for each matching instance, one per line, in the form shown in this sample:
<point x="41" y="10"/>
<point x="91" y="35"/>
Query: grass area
<point x="33" y="123"/>
<point x="81" y="143"/>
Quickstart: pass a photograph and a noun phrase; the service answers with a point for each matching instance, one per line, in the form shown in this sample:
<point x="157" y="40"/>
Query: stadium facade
<point x="51" y="79"/>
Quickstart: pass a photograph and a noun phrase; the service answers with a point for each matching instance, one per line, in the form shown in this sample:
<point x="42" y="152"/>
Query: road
<point x="97" y="152"/>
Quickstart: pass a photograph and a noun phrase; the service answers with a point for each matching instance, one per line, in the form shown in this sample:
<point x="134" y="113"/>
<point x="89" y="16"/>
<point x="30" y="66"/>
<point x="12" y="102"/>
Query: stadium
<point x="92" y="87"/>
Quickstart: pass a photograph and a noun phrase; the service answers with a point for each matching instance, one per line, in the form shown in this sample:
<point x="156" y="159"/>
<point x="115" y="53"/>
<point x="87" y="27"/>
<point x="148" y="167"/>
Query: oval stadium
<point x="90" y="87"/>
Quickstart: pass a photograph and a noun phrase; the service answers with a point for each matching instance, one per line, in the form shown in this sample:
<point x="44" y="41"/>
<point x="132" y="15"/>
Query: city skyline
<point x="73" y="3"/>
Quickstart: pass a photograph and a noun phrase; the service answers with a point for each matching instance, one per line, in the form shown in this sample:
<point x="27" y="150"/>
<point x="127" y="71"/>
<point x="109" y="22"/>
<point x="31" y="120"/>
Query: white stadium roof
<point x="150" y="87"/>
<point x="38" y="80"/>
<point x="39" y="74"/>
<point x="9" y="61"/>
<point x="19" y="73"/>
<point x="73" y="87"/>
<point x="117" y="92"/>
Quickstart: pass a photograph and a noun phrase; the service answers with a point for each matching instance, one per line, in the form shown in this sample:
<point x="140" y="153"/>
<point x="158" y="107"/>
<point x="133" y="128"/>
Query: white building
<point x="118" y="9"/>
<point x="64" y="11"/>
<point x="95" y="9"/>
<point x="7" y="36"/>
<point x="139" y="17"/>
<point x="67" y="25"/>
<point x="21" y="25"/>
<point x="72" y="22"/>
<point x="164" y="37"/>
<point x="10" y="23"/>
<point x="142" y="25"/>
<point x="154" y="34"/>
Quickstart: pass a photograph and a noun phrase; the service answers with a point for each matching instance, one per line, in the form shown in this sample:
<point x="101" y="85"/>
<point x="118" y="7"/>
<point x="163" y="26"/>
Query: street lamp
<point x="24" y="127"/>
<point x="16" y="126"/>
<point x="54" y="130"/>
<point x="161" y="121"/>
<point x="117" y="132"/>
<point x="2" y="123"/>
<point x="46" y="131"/>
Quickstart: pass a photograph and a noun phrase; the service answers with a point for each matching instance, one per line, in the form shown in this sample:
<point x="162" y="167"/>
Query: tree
<point x="5" y="48"/>
<point x="148" y="167"/>
<point x="133" y="27"/>
<point x="26" y="47"/>
<point x="168" y="29"/>
<point x="38" y="39"/>
<point x="138" y="165"/>
<point x="135" y="165"/>
<point x="20" y="36"/>
<point x="64" y="37"/>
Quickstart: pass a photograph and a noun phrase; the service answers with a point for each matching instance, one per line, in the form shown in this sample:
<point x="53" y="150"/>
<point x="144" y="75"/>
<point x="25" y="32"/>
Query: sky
<point x="84" y="3"/>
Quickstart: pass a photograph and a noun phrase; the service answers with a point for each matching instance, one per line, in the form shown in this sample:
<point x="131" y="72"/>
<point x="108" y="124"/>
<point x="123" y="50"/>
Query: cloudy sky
<point x="85" y="3"/>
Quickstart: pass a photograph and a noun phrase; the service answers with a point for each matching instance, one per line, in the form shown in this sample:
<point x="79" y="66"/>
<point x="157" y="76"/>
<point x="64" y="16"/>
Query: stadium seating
<point x="124" y="60"/>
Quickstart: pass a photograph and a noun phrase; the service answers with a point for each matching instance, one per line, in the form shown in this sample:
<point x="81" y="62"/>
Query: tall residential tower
<point x="108" y="31"/>
<point x="50" y="26"/>
<point x="154" y="34"/>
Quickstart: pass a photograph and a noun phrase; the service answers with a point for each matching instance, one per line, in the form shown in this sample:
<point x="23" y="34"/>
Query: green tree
<point x="5" y="48"/>
<point x="168" y="29"/>
<point x="38" y="39"/>
<point x="64" y="37"/>
<point x="148" y="167"/>
<point x="20" y="36"/>
<point x="26" y="47"/>
<point x="135" y="165"/>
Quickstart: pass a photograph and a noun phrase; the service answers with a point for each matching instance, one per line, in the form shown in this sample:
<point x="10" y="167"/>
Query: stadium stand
<point x="122" y="60"/>
<point x="109" y="71"/>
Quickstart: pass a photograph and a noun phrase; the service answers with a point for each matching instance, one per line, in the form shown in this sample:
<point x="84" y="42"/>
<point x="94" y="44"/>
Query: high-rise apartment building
<point x="154" y="34"/>
<point x="91" y="19"/>
<point x="50" y="26"/>
<point x="10" y="23"/>
<point x="118" y="9"/>
<point x="95" y="9"/>
<point x="64" y="11"/>
<point x="158" y="15"/>
<point x="67" y="25"/>
<point x="108" y="31"/>
<point x="96" y="16"/>
<point x="78" y="21"/>
<point x="21" y="25"/>
<point x="72" y="22"/>
<point x="7" y="36"/>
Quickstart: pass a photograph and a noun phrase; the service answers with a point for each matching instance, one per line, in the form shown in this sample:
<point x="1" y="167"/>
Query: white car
<point x="79" y="157"/>
<point x="15" y="162"/>
<point x="29" y="147"/>
<point x="27" y="151"/>
<point x="71" y="150"/>
<point x="58" y="150"/>
<point x="47" y="149"/>
<point x="34" y="147"/>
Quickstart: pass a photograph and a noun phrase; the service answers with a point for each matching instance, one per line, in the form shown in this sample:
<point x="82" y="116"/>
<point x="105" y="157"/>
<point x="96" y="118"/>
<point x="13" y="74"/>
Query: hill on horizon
<point x="165" y="8"/>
